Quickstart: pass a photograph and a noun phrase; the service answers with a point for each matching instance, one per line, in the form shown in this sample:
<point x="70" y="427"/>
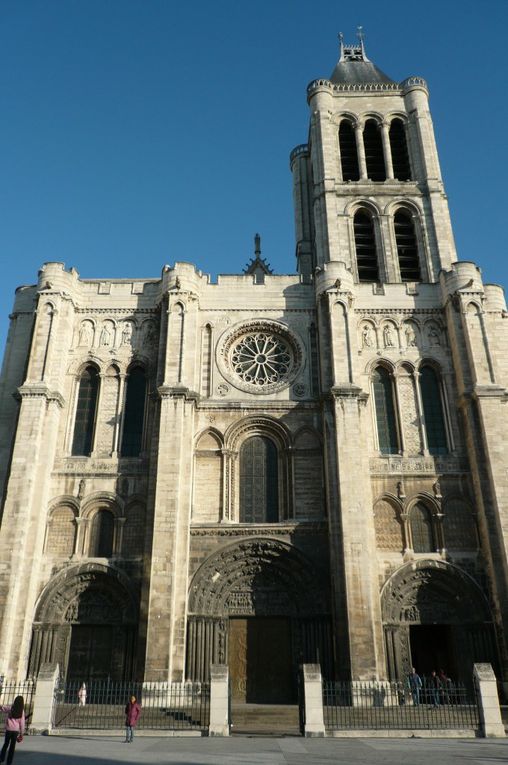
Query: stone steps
<point x="265" y="719"/>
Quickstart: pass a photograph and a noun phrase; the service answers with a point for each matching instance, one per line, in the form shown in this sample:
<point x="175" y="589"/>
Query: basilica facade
<point x="268" y="470"/>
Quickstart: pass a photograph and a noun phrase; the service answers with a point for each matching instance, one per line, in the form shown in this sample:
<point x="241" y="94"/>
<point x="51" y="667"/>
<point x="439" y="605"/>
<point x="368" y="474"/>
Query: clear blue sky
<point x="139" y="132"/>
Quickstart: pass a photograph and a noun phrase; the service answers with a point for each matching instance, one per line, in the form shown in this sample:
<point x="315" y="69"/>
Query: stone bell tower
<point x="374" y="236"/>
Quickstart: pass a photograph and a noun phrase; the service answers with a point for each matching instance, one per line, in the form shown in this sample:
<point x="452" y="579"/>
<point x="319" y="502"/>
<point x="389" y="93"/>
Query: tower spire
<point x="258" y="265"/>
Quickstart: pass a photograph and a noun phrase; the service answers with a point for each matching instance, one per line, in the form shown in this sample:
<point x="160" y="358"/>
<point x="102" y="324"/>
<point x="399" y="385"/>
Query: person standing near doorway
<point x="414" y="682"/>
<point x="82" y="695"/>
<point x="132" y="713"/>
<point x="435" y="688"/>
<point x="14" y="727"/>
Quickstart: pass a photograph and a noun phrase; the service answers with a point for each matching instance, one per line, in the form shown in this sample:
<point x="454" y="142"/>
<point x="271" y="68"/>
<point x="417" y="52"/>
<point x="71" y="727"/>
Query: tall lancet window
<point x="374" y="156"/>
<point x="84" y="422"/>
<point x="386" y="421"/>
<point x="400" y="156"/>
<point x="365" y="244"/>
<point x="259" y="481"/>
<point x="433" y="412"/>
<point x="101" y="534"/>
<point x="132" y="437"/>
<point x="407" y="247"/>
<point x="348" y="152"/>
<point x="420" y="520"/>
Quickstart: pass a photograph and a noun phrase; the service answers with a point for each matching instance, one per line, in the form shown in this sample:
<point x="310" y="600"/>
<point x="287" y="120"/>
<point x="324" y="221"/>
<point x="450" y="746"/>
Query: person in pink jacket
<point x="14" y="727"/>
<point x="132" y="712"/>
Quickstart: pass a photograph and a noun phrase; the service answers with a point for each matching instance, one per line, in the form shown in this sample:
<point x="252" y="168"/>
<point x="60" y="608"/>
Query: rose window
<point x="260" y="357"/>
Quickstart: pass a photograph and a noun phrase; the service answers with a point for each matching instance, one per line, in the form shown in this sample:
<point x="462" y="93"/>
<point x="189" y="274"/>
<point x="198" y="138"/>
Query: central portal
<point x="260" y="660"/>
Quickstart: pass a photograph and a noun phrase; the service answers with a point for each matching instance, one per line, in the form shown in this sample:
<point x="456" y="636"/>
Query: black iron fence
<point x="9" y="691"/>
<point x="164" y="706"/>
<point x="384" y="705"/>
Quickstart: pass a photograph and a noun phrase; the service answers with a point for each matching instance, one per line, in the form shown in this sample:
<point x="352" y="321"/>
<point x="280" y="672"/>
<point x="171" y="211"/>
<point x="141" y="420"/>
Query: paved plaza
<point x="57" y="750"/>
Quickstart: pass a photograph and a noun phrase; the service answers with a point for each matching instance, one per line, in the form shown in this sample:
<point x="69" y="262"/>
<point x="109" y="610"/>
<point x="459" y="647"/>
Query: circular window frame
<point x="231" y="338"/>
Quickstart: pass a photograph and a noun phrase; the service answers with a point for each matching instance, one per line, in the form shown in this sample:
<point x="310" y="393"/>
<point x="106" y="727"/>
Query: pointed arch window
<point x="365" y="245"/>
<point x="101" y="534"/>
<point x="132" y="436"/>
<point x="374" y="156"/>
<point x="433" y="411"/>
<point x="422" y="535"/>
<point x="400" y="156"/>
<point x="407" y="247"/>
<point x="259" y="481"/>
<point x="86" y="410"/>
<point x="387" y="432"/>
<point x="348" y="152"/>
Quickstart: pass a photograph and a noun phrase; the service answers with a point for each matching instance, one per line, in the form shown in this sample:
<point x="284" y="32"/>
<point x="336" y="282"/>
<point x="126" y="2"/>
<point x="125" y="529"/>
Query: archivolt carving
<point x="254" y="425"/>
<point x="257" y="576"/>
<point x="431" y="591"/>
<point x="90" y="593"/>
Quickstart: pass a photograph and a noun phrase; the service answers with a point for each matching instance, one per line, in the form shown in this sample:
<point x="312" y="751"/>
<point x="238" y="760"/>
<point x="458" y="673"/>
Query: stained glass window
<point x="101" y="534"/>
<point x="421" y="529"/>
<point x="385" y="412"/>
<point x="85" y="412"/>
<point x="433" y="411"/>
<point x="132" y="437"/>
<point x="259" y="481"/>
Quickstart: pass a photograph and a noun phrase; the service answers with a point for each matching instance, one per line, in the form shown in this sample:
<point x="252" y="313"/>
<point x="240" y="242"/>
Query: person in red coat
<point x="132" y="713"/>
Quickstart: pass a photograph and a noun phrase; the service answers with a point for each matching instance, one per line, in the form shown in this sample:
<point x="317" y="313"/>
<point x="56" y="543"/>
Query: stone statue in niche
<point x="105" y="338"/>
<point x="410" y="336"/>
<point x="127" y="333"/>
<point x="367" y="339"/>
<point x="434" y="338"/>
<point x="85" y="334"/>
<point x="388" y="336"/>
<point x="149" y="334"/>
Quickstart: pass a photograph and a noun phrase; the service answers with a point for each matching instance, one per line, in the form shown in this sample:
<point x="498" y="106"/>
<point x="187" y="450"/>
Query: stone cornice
<point x="40" y="390"/>
<point x="490" y="391"/>
<point x="178" y="391"/>
<point x="256" y="530"/>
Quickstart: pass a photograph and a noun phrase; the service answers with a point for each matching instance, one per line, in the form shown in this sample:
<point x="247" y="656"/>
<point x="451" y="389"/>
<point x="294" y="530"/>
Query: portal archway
<point x="260" y="606"/>
<point x="435" y="616"/>
<point x="86" y="620"/>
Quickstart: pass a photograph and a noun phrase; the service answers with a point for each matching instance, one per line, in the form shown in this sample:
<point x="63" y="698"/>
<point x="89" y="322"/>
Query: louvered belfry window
<point x="385" y="412"/>
<point x="348" y="152"/>
<point x="407" y="248"/>
<point x="84" y="422"/>
<point x="421" y="529"/>
<point x="132" y="437"/>
<point x="400" y="156"/>
<point x="259" y="484"/>
<point x="374" y="156"/>
<point x="433" y="411"/>
<point x="365" y="244"/>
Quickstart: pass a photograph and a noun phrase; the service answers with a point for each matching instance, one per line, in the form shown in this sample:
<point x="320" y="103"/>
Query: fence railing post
<point x="219" y="700"/>
<point x="313" y="696"/>
<point x="44" y="699"/>
<point x="491" y="722"/>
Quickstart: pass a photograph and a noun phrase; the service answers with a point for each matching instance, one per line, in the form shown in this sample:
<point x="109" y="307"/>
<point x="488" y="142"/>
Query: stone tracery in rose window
<point x="261" y="359"/>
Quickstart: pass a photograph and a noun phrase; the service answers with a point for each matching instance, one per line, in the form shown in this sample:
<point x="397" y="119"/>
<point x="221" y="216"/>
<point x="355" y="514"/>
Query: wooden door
<point x="260" y="662"/>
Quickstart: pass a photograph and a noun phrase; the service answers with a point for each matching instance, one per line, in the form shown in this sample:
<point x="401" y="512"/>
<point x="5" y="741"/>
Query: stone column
<point x="488" y="701"/>
<point x="387" y="150"/>
<point x="313" y="693"/>
<point x="44" y="699"/>
<point x="360" y="148"/>
<point x="219" y="700"/>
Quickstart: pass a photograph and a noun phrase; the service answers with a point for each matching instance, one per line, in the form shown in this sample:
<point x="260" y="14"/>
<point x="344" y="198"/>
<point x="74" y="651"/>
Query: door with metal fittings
<point x="260" y="661"/>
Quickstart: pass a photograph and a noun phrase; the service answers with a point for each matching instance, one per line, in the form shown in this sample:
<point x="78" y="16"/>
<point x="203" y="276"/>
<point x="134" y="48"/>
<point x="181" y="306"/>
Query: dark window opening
<point x="385" y="412"/>
<point x="374" y="156"/>
<point x="421" y="529"/>
<point x="259" y="481"/>
<point x="132" y="437"/>
<point x="400" y="156"/>
<point x="407" y="248"/>
<point x="85" y="413"/>
<point x="365" y="243"/>
<point x="101" y="535"/>
<point x="433" y="411"/>
<point x="348" y="152"/>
